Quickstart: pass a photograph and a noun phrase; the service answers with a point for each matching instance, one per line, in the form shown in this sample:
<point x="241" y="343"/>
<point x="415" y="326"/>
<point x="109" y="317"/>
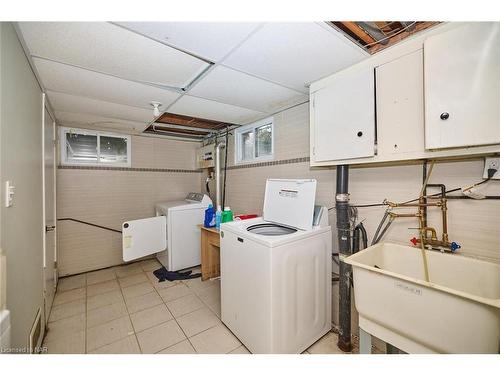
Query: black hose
<point x="426" y="196"/>
<point x="380" y="226"/>
<point x="364" y="235"/>
<point x="355" y="239"/>
<point x="334" y="258"/>
<point x="90" y="224"/>
<point x="377" y="240"/>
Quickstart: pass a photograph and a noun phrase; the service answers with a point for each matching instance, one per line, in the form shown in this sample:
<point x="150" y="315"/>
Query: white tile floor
<point x="126" y="310"/>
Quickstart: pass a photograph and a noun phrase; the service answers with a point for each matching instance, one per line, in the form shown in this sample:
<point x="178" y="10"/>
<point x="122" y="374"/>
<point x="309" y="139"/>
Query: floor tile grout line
<point x="121" y="338"/>
<point x="115" y="341"/>
<point x="86" y="316"/>
<point x="189" y="338"/>
<point x="130" y="319"/>
<point x="169" y="346"/>
<point x="194" y="291"/>
<point x="175" y="318"/>
<point x="170" y="312"/>
<point x="69" y="316"/>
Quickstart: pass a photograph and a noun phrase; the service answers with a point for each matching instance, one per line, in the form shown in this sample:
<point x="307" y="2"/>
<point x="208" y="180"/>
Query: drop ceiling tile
<point x="81" y="82"/>
<point x="232" y="87"/>
<point x="86" y="121"/>
<point x="79" y="104"/>
<point x="209" y="109"/>
<point x="210" y="40"/>
<point x="111" y="49"/>
<point x="295" y="54"/>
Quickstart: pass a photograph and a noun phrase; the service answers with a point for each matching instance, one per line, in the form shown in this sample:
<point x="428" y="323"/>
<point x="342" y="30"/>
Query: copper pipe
<point x="394" y="215"/>
<point x="444" y="212"/>
<point x="394" y="205"/>
<point x="425" y="230"/>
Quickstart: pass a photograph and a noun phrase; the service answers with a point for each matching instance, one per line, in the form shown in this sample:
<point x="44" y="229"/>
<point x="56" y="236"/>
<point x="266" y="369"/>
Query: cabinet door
<point x="343" y="117"/>
<point x="462" y="86"/>
<point x="144" y="237"/>
<point x="400" y="105"/>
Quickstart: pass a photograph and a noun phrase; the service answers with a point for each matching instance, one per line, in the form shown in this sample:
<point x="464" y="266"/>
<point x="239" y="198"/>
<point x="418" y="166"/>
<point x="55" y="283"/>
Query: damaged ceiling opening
<point x="185" y="126"/>
<point x="377" y="35"/>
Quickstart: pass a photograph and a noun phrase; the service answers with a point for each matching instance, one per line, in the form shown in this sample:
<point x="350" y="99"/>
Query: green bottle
<point x="227" y="215"/>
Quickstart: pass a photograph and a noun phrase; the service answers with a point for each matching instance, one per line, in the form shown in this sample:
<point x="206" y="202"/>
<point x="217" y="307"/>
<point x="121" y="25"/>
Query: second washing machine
<point x="276" y="271"/>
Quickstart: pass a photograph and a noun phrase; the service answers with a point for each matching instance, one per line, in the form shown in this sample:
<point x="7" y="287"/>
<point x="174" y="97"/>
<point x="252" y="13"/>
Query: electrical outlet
<point x="492" y="163"/>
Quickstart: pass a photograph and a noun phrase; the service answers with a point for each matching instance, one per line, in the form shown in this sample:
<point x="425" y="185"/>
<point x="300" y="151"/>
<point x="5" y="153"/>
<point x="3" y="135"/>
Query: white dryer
<point x="173" y="234"/>
<point x="276" y="271"/>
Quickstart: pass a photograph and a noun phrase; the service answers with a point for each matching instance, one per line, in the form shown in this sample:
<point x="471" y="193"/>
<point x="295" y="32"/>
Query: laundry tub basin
<point x="458" y="311"/>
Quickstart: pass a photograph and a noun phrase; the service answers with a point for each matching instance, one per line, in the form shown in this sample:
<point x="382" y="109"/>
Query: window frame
<point x="64" y="157"/>
<point x="238" y="151"/>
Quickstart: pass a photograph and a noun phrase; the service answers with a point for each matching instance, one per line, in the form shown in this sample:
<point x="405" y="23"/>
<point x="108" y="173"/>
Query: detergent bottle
<point x="227" y="215"/>
<point x="218" y="217"/>
<point x="209" y="217"/>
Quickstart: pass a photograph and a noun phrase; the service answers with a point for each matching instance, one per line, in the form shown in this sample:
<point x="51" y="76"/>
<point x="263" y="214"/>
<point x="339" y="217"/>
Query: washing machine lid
<point x="164" y="206"/>
<point x="290" y="202"/>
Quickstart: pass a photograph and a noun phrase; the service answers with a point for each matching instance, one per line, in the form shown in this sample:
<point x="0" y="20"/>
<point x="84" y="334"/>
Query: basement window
<point x="255" y="142"/>
<point x="94" y="148"/>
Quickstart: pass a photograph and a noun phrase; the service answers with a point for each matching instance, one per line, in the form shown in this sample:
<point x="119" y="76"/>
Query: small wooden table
<point x="210" y="253"/>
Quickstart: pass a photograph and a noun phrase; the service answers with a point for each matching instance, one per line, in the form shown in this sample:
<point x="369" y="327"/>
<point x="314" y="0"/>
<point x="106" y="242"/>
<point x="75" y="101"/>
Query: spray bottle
<point x="218" y="217"/>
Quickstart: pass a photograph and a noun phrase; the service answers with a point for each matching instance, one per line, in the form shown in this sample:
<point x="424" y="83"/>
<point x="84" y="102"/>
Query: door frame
<point x="46" y="108"/>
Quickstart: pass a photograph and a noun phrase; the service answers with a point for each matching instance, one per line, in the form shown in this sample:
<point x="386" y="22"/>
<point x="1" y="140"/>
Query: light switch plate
<point x="9" y="193"/>
<point x="492" y="163"/>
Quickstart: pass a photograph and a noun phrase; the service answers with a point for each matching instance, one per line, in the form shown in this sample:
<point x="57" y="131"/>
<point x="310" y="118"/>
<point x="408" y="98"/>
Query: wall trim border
<point x="271" y="163"/>
<point x="129" y="169"/>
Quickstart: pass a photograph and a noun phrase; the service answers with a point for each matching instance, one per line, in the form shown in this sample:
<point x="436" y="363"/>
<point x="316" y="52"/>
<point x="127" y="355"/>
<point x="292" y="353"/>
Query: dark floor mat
<point x="162" y="274"/>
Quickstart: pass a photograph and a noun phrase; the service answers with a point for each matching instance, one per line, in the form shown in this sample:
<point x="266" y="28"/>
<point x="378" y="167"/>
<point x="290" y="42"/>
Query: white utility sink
<point x="458" y="311"/>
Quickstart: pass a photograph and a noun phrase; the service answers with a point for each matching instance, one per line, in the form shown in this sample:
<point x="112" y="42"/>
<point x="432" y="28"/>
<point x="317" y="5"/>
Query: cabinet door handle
<point x="444" y="116"/>
<point x="49" y="228"/>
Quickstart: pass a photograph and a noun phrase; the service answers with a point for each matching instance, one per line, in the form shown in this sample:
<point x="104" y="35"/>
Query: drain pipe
<point x="344" y="237"/>
<point x="218" y="199"/>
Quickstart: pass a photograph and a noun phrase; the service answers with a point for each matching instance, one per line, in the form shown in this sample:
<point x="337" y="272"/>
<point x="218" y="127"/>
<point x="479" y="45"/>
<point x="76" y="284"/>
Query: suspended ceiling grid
<point x="104" y="75"/>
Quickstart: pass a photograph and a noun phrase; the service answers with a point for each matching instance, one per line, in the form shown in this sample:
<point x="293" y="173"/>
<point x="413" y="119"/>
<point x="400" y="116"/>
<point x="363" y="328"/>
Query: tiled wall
<point x="473" y="224"/>
<point x="161" y="170"/>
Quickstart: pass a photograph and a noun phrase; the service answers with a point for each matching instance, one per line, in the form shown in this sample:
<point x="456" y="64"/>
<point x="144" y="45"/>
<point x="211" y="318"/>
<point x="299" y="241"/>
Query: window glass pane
<point x="247" y="146"/>
<point x="263" y="140"/>
<point x="81" y="148"/>
<point x="113" y="149"/>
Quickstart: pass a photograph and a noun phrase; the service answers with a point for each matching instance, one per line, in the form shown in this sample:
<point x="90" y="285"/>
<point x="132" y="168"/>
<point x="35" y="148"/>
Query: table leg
<point x="365" y="342"/>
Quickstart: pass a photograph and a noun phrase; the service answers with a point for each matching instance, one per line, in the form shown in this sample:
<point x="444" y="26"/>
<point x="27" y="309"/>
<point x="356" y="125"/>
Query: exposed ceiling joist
<point x="374" y="36"/>
<point x="359" y="32"/>
<point x="194" y="122"/>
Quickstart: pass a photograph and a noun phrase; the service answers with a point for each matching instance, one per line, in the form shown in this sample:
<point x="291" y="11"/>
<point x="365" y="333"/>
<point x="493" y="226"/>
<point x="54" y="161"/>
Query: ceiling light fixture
<point x="156" y="108"/>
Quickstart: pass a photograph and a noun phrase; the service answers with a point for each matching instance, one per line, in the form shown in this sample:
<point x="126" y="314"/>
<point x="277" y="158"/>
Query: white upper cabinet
<point x="451" y="71"/>
<point x="462" y="86"/>
<point x="400" y="106"/>
<point x="343" y="117"/>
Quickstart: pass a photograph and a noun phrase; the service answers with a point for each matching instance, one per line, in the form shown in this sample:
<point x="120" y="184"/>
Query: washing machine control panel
<point x="197" y="197"/>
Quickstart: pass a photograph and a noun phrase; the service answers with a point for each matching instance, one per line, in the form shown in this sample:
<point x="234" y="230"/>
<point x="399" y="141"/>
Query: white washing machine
<point x="276" y="271"/>
<point x="173" y="234"/>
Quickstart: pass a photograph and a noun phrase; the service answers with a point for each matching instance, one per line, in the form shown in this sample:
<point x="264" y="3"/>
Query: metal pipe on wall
<point x="345" y="271"/>
<point x="218" y="192"/>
